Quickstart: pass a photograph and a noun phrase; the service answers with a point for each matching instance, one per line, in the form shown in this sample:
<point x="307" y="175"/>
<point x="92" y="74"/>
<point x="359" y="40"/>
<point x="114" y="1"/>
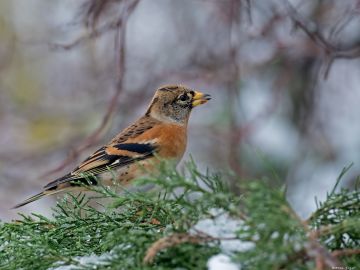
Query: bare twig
<point x="94" y="9"/>
<point x="120" y="49"/>
<point x="95" y="33"/>
<point x="171" y="241"/>
<point x="321" y="256"/>
<point x="314" y="249"/>
<point x="331" y="52"/>
<point x="235" y="16"/>
<point x="344" y="20"/>
<point x="310" y="28"/>
<point x="178" y="239"/>
<point x="345" y="252"/>
<point x="248" y="10"/>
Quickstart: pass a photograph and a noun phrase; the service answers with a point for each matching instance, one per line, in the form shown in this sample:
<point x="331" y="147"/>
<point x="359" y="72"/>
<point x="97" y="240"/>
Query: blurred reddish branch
<point x="120" y="52"/>
<point x="314" y="249"/>
<point x="233" y="82"/>
<point x="345" y="252"/>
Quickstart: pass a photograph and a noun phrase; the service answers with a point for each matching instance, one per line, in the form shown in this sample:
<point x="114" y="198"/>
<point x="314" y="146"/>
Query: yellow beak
<point x="200" y="98"/>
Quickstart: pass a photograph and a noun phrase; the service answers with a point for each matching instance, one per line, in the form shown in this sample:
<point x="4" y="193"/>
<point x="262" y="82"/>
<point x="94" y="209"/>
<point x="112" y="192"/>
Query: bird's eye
<point x="184" y="97"/>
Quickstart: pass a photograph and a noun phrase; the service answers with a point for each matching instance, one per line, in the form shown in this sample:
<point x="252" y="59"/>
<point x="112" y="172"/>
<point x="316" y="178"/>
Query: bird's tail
<point x="36" y="197"/>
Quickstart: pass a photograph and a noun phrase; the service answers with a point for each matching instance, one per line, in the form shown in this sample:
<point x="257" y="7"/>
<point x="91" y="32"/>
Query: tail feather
<point x="35" y="198"/>
<point x="62" y="184"/>
<point x="64" y="187"/>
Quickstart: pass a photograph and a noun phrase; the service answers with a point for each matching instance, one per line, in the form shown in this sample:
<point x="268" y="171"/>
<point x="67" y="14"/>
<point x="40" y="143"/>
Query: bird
<point x="161" y="133"/>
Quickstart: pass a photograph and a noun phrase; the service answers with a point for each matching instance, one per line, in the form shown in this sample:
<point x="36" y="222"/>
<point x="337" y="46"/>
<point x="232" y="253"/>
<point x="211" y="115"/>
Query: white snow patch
<point x="222" y="262"/>
<point x="85" y="261"/>
<point x="3" y="245"/>
<point x="224" y="226"/>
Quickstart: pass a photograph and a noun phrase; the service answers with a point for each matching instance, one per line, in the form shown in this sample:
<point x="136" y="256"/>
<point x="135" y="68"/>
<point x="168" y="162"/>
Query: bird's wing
<point x="139" y="127"/>
<point x="117" y="154"/>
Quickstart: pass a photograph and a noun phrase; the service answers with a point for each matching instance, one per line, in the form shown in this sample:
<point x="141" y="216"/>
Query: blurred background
<point x="284" y="77"/>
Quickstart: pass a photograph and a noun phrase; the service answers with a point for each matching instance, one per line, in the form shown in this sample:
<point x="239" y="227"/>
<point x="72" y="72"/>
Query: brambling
<point x="160" y="134"/>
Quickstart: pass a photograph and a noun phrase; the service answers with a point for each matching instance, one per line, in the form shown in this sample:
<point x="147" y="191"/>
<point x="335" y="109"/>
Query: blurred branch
<point x="322" y="257"/>
<point x="344" y="19"/>
<point x="95" y="33"/>
<point x="248" y="10"/>
<point x="171" y="241"/>
<point x="7" y="56"/>
<point x="235" y="17"/>
<point x="244" y="131"/>
<point x="345" y="252"/>
<point x="120" y="49"/>
<point x="93" y="10"/>
<point x="332" y="52"/>
<point x="176" y="239"/>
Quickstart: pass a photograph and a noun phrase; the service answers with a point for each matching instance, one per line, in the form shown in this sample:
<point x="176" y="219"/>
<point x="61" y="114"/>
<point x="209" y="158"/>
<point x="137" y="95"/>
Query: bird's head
<point x="173" y="103"/>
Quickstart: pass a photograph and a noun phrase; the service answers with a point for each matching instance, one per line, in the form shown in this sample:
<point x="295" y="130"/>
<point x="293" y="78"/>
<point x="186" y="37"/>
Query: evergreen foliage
<point x="155" y="230"/>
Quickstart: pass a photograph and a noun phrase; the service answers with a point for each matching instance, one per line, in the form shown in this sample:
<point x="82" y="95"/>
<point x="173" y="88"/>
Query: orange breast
<point x="170" y="138"/>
